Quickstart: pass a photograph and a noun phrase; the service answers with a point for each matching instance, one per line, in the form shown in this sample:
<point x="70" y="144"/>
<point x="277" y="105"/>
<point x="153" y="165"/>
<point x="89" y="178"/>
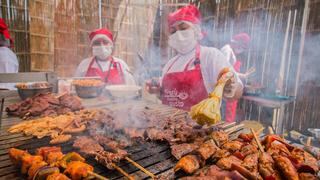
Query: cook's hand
<point x="250" y="72"/>
<point x="231" y="85"/>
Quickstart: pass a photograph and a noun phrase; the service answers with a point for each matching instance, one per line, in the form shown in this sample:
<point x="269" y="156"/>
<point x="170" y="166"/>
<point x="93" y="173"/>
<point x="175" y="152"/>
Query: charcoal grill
<point x="154" y="156"/>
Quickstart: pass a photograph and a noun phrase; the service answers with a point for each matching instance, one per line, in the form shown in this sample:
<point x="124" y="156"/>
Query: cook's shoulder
<point x="211" y="52"/>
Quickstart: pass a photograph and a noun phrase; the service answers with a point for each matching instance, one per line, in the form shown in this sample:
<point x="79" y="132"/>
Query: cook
<point x="188" y="77"/>
<point x="110" y="69"/>
<point x="8" y="60"/>
<point x="238" y="46"/>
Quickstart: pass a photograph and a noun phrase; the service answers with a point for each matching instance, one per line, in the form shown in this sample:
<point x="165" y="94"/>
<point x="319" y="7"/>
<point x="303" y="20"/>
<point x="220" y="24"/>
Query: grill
<point x="154" y="156"/>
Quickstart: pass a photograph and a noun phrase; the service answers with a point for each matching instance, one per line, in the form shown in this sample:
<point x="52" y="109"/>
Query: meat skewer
<point x="140" y="167"/>
<point x="257" y="140"/>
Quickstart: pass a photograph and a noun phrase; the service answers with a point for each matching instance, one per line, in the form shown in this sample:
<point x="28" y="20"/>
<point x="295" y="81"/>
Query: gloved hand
<point x="231" y="85"/>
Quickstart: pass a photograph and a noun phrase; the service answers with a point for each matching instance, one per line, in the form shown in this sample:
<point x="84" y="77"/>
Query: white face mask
<point x="183" y="41"/>
<point x="102" y="52"/>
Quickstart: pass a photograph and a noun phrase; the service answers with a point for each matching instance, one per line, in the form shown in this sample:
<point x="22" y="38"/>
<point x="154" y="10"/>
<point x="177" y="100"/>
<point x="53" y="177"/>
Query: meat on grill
<point x="45" y="105"/>
<point x="232" y="146"/>
<point x="207" y="149"/>
<point x="220" y="137"/>
<point x="179" y="150"/>
<point x="267" y="167"/>
<point x="226" y="162"/>
<point x="189" y="164"/>
<point x="286" y="167"/>
<point x="87" y="145"/>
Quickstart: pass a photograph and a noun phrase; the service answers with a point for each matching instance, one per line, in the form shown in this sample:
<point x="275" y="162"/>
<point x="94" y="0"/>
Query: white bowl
<point x="123" y="91"/>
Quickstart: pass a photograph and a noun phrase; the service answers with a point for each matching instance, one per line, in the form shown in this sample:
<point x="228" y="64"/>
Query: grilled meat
<point x="246" y="137"/>
<point x="226" y="162"/>
<point x="304" y="161"/>
<point x="78" y="170"/>
<point x="221" y="153"/>
<point x="188" y="163"/>
<point x="179" y="150"/>
<point x="57" y="176"/>
<point x="245" y="172"/>
<point x="248" y="149"/>
<point x="250" y="162"/>
<point x="45" y="105"/>
<point x="277" y="148"/>
<point x="307" y="176"/>
<point x="207" y="149"/>
<point x="220" y="137"/>
<point x="267" y="167"/>
<point x="35" y="167"/>
<point x="232" y="146"/>
<point x="286" y="168"/>
<point x="87" y="145"/>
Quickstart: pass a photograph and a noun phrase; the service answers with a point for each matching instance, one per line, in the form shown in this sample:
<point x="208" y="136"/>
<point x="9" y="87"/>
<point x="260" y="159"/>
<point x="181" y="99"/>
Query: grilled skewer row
<point x="48" y="161"/>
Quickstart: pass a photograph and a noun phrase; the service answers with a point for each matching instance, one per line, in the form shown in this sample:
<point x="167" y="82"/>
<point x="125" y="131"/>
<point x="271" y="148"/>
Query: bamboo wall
<point x="16" y="15"/>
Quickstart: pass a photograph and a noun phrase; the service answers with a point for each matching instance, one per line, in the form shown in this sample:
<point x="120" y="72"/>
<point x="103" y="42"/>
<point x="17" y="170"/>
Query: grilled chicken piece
<point x="220" y="137"/>
<point x="78" y="170"/>
<point x="286" y="167"/>
<point x="54" y="157"/>
<point x="35" y="167"/>
<point x="277" y="148"/>
<point x="27" y="161"/>
<point x="16" y="155"/>
<point x="226" y="162"/>
<point x="207" y="149"/>
<point x="57" y="176"/>
<point x="307" y="176"/>
<point x="248" y="149"/>
<point x="267" y="167"/>
<point x="245" y="172"/>
<point x="188" y="163"/>
<point x="305" y="161"/>
<point x="232" y="146"/>
<point x="221" y="153"/>
<point x="180" y="150"/>
<point x="250" y="162"/>
<point x="50" y="154"/>
<point x="246" y="137"/>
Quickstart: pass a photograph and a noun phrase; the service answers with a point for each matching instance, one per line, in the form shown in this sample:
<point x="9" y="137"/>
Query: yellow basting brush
<point x="208" y="110"/>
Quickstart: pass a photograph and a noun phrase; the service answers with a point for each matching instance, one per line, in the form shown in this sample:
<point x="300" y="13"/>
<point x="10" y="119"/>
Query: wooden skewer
<point x="175" y="113"/>
<point x="122" y="171"/>
<point x="233" y="129"/>
<point x="257" y="140"/>
<point x="141" y="168"/>
<point x="98" y="176"/>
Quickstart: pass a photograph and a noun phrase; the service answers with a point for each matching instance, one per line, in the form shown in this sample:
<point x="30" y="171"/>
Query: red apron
<point x="231" y="105"/>
<point x="184" y="89"/>
<point x="113" y="75"/>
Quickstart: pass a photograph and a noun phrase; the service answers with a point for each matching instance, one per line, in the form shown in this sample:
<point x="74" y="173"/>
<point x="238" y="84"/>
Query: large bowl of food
<point x="124" y="91"/>
<point x="26" y="90"/>
<point x="88" y="88"/>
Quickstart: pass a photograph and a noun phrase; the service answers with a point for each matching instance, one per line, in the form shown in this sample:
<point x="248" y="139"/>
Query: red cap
<point x="242" y="39"/>
<point x="188" y="13"/>
<point x="4" y="30"/>
<point x="101" y="33"/>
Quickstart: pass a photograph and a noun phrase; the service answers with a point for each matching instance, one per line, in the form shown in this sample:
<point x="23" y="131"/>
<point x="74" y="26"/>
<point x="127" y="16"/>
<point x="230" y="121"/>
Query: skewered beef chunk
<point x="251" y="162"/>
<point x="207" y="149"/>
<point x="246" y="137"/>
<point x="226" y="162"/>
<point x="285" y="167"/>
<point x="221" y="153"/>
<point x="305" y="162"/>
<point x="267" y="167"/>
<point x="87" y="145"/>
<point x="248" y="149"/>
<point x="277" y="148"/>
<point x="189" y="164"/>
<point x="158" y="134"/>
<point x="232" y="146"/>
<point x="220" y="137"/>
<point x="245" y="172"/>
<point x="179" y="150"/>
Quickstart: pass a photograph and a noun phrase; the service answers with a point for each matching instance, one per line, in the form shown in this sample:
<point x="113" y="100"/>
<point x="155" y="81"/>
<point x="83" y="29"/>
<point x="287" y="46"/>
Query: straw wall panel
<point x="41" y="35"/>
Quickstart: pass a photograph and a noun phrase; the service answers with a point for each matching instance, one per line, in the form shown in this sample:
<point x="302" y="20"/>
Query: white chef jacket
<point x="8" y="64"/>
<point x="84" y="65"/>
<point x="212" y="61"/>
<point x="228" y="52"/>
